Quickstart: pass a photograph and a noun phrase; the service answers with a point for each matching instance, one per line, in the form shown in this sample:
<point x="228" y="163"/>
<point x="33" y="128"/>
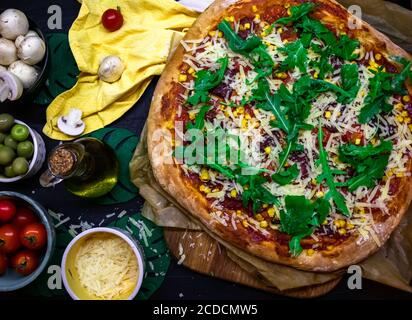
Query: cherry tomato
<point x="112" y="19"/>
<point x="7" y="210"/>
<point x="25" y="262"/>
<point x="33" y="236"/>
<point x="23" y="217"/>
<point x="3" y="264"/>
<point x="9" y="238"/>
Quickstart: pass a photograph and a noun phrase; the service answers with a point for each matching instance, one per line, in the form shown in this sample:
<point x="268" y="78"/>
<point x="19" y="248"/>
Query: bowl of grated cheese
<point x="103" y="264"/>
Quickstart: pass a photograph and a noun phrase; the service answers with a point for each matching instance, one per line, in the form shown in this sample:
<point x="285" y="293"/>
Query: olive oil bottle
<point x="88" y="167"/>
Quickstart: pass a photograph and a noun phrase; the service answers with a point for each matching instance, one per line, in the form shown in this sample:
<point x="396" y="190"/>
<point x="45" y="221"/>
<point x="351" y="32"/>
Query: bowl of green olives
<point x="22" y="150"/>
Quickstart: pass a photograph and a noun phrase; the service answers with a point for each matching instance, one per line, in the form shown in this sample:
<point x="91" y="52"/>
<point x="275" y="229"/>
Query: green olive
<point x="2" y="137"/>
<point x="8" y="172"/>
<point x="10" y="142"/>
<point x="6" y="122"/>
<point x="7" y="155"/>
<point x="25" y="149"/>
<point x="20" y="166"/>
<point x="20" y="132"/>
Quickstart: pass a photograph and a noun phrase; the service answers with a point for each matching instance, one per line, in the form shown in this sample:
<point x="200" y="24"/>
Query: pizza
<point x="284" y="127"/>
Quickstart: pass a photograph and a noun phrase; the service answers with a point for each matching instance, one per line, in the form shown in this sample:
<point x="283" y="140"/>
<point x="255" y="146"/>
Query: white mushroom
<point x="111" y="69"/>
<point x="31" y="49"/>
<point x="19" y="39"/>
<point x="72" y="124"/>
<point x="8" y="52"/>
<point x="27" y="74"/>
<point x="10" y="86"/>
<point x="13" y="23"/>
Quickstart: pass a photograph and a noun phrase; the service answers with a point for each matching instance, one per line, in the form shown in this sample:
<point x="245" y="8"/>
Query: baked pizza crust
<point x="170" y="176"/>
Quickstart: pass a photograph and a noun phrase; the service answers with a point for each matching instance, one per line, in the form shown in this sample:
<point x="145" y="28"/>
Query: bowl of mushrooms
<point x="23" y="57"/>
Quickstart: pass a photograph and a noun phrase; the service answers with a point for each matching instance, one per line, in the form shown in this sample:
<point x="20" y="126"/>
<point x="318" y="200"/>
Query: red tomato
<point x="33" y="236"/>
<point x="3" y="264"/>
<point x="112" y="19"/>
<point x="25" y="262"/>
<point x="9" y="238"/>
<point x="7" y="210"/>
<point x="23" y="217"/>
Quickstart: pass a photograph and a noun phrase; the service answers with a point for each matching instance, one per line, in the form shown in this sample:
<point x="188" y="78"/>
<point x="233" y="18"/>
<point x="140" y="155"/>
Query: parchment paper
<point x="391" y="265"/>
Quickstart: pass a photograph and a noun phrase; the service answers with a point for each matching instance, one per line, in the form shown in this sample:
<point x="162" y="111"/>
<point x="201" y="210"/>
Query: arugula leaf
<point x="287" y="176"/>
<point x="345" y="47"/>
<point x="368" y="161"/>
<point x="272" y="104"/>
<point x="297" y="56"/>
<point x="236" y="43"/>
<point x="200" y="119"/>
<point x="207" y="80"/>
<point x="314" y="28"/>
<point x="297" y="12"/>
<point x="381" y="87"/>
<point x="300" y="218"/>
<point x="327" y="175"/>
<point x="350" y="80"/>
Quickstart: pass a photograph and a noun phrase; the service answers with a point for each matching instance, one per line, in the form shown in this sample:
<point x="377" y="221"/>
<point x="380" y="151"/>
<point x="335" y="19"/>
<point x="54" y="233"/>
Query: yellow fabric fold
<point x="151" y="28"/>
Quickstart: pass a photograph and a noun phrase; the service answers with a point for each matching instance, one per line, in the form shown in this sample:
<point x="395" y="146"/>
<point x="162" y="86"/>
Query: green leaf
<point x="287" y="176"/>
<point x="207" y="80"/>
<point x="297" y="12"/>
<point x="327" y="175"/>
<point x="350" y="80"/>
<point x="296" y="56"/>
<point x="236" y="43"/>
<point x="200" y="119"/>
<point x="272" y="104"/>
<point x="345" y="47"/>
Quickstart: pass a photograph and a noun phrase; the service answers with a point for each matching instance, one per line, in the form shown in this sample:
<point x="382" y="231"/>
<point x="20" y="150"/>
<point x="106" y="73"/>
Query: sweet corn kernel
<point x="265" y="205"/>
<point x="247" y="116"/>
<point x="220" y="34"/>
<point x="281" y="75"/>
<point x="341" y="25"/>
<point x="406" y="98"/>
<point x="241" y="27"/>
<point x="407" y="120"/>
<point x="192" y="115"/>
<point x="263" y="224"/>
<point x="170" y="126"/>
<point x="320" y="194"/>
<point x="256" y="124"/>
<point x="330" y="247"/>
<point x="244" y="123"/>
<point x="190" y="71"/>
<point x="340" y="223"/>
<point x="362" y="220"/>
<point x="357" y="141"/>
<point x="212" y="33"/>
<point x="286" y="5"/>
<point x="254" y="8"/>
<point x="400" y="175"/>
<point x="316" y="75"/>
<point x="389" y="173"/>
<point x="399" y="118"/>
<point x="182" y="77"/>
<point x="268" y="150"/>
<point x="378" y="56"/>
<point x="173" y="143"/>
<point x="271" y="212"/>
<point x="399" y="106"/>
<point x="204" y="175"/>
<point x="233" y="193"/>
<point x="289" y="12"/>
<point x="310" y="252"/>
<point x="230" y="19"/>
<point x="240" y="110"/>
<point x="259" y="217"/>
<point x="342" y="231"/>
<point x="404" y="113"/>
<point x="350" y="226"/>
<point x="325" y="222"/>
<point x="239" y="212"/>
<point x="245" y="223"/>
<point x="247" y="25"/>
<point x="280" y="30"/>
<point x="328" y="114"/>
<point x="313" y="182"/>
<point x="272" y="118"/>
<point x="257" y="17"/>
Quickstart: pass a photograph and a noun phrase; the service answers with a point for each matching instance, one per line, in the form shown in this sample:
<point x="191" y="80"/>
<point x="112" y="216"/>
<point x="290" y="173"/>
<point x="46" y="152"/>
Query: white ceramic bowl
<point x="69" y="280"/>
<point x="39" y="155"/>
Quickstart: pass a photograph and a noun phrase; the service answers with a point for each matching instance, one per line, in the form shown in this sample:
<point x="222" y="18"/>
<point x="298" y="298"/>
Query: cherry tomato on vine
<point x="33" y="236"/>
<point x="112" y="19"/>
<point x="9" y="238"/>
<point x="25" y="262"/>
<point x="7" y="210"/>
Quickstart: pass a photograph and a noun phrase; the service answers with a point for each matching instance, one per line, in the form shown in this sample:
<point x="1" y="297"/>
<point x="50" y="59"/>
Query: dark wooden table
<point x="179" y="280"/>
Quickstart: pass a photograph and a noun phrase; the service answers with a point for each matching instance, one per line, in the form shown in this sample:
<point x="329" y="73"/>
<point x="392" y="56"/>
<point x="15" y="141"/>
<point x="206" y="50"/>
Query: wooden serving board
<point x="204" y="255"/>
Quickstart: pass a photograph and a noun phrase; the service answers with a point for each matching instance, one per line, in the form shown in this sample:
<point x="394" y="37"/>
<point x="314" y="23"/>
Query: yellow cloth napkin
<point x="151" y="29"/>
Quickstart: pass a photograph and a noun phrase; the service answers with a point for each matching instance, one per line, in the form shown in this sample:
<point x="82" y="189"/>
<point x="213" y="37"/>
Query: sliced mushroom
<point x="13" y="23"/>
<point x="10" y="86"/>
<point x="27" y="74"/>
<point x="8" y="52"/>
<point x="72" y="124"/>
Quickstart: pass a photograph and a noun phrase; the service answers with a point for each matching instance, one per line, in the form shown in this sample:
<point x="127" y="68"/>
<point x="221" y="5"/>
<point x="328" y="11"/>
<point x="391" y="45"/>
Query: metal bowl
<point x="12" y="280"/>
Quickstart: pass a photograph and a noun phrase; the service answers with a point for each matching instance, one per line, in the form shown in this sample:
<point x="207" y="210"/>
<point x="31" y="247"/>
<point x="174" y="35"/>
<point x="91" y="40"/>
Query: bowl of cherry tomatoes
<point x="27" y="240"/>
